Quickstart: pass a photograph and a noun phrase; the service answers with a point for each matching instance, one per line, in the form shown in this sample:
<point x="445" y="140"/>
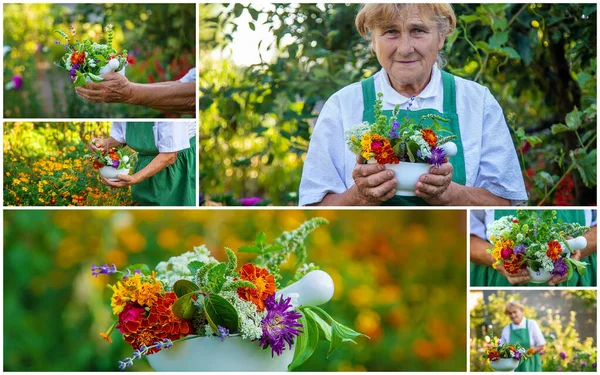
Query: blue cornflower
<point x="103" y="270"/>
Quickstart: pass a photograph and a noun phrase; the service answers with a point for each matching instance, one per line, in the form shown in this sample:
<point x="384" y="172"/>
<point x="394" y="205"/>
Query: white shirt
<point x="190" y="76"/>
<point x="490" y="158"/>
<point x="168" y="136"/>
<point x="481" y="219"/>
<point x="536" y="338"/>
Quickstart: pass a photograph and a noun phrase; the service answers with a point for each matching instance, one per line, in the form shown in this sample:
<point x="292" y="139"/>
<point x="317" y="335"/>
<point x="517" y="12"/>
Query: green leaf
<point x="183" y="287"/>
<point x="569" y="270"/>
<point x="184" y="307"/>
<point x="580" y="266"/>
<point x="498" y="39"/>
<point x="194" y="266"/>
<point x="141" y="267"/>
<point x="559" y="128"/>
<point x="573" y="119"/>
<point x="339" y="334"/>
<point x="95" y="78"/>
<point x="273" y="248"/>
<point x="511" y="52"/>
<point x="261" y="239"/>
<point x="251" y="26"/>
<point x="585" y="162"/>
<point x="219" y="312"/>
<point x="80" y="81"/>
<point x="249" y="249"/>
<point x="324" y="327"/>
<point x="306" y="343"/>
<point x="216" y="277"/>
<point x="231" y="261"/>
<point x="102" y="59"/>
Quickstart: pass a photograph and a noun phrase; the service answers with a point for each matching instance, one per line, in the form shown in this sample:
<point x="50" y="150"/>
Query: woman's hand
<point x="114" y="89"/>
<point x="519" y="278"/>
<point x="125" y="180"/>
<point x="98" y="144"/>
<point x="433" y="186"/>
<point x="374" y="184"/>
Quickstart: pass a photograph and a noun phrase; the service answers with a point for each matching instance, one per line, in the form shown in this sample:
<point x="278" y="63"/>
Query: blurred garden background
<point x="402" y="283"/>
<point x="567" y="319"/>
<point x="45" y="165"/>
<point x="160" y="37"/>
<point x="266" y="71"/>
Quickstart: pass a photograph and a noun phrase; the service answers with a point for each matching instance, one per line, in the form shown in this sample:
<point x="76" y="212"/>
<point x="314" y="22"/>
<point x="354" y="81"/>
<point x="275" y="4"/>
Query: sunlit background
<point x="567" y="319"/>
<point x="400" y="277"/>
<point x="161" y="38"/>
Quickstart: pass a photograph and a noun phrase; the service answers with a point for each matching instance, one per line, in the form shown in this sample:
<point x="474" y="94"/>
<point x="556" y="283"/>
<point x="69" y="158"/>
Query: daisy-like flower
<point x="554" y="250"/>
<point x="437" y="156"/>
<point x="560" y="268"/>
<point x="280" y="326"/>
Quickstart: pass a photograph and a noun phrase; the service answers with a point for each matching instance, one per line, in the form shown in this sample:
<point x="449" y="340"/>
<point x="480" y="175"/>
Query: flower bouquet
<point x="536" y="241"/>
<point x="506" y="357"/>
<point x="115" y="161"/>
<point x="218" y="317"/>
<point x="409" y="149"/>
<point x="86" y="61"/>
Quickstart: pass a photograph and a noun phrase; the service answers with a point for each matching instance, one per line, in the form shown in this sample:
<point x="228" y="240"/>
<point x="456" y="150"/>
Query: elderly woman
<point x="483" y="274"/>
<point x="526" y="332"/>
<point x="406" y="39"/>
<point x="165" y="172"/>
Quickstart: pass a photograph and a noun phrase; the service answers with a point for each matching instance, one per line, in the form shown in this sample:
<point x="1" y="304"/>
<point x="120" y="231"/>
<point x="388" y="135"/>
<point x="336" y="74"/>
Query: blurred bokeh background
<point x="567" y="319"/>
<point x="267" y="69"/>
<point x="45" y="165"/>
<point x="161" y="38"/>
<point x="400" y="277"/>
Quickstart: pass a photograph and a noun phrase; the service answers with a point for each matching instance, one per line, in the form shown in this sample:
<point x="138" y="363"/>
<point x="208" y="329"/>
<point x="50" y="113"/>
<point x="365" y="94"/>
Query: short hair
<point x="516" y="304"/>
<point x="371" y="16"/>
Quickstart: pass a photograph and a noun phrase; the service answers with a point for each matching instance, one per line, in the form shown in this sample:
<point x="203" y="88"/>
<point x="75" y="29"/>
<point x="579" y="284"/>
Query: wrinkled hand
<point x="98" y="144"/>
<point x="433" y="186"/>
<point x="519" y="278"/>
<point x="374" y="184"/>
<point x="114" y="89"/>
<point x="125" y="180"/>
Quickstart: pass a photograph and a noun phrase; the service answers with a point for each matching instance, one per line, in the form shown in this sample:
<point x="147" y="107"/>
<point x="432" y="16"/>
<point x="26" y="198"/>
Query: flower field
<point x="44" y="165"/>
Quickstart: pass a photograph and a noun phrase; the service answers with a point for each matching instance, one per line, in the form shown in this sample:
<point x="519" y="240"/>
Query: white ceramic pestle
<point x="576" y="243"/>
<point x="315" y="288"/>
<point x="112" y="65"/>
<point x="450" y="149"/>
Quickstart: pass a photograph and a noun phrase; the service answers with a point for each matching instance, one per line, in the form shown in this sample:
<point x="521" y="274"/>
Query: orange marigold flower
<point x="264" y="284"/>
<point x="514" y="264"/>
<point x="429" y="137"/>
<point x="135" y="289"/>
<point x="78" y="58"/>
<point x="554" y="250"/>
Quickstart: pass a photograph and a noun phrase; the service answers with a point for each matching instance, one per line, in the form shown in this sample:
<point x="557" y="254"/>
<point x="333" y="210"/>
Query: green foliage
<point x="538" y="60"/>
<point x="219" y="312"/>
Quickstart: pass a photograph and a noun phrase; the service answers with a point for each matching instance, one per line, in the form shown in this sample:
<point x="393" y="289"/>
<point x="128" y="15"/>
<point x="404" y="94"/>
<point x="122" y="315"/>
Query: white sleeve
<point x="591" y="218"/>
<point x="478" y="224"/>
<point x="536" y="334"/>
<point x="505" y="337"/>
<point x="190" y="76"/>
<point x="323" y="170"/>
<point x="172" y="136"/>
<point x="117" y="131"/>
<point x="499" y="170"/>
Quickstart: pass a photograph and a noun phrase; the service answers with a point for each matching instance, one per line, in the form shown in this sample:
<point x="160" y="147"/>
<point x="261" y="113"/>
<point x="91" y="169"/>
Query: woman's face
<point x="515" y="314"/>
<point x="408" y="48"/>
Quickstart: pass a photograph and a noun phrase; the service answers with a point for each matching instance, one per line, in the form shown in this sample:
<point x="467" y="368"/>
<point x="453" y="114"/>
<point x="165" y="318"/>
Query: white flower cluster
<point x="500" y="228"/>
<point x="547" y="263"/>
<point x="357" y="131"/>
<point x="176" y="267"/>
<point x="423" y="145"/>
<point x="250" y="318"/>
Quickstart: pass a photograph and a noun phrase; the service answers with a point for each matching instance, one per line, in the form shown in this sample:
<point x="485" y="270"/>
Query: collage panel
<point x="230" y="290"/>
<point x="483" y="104"/>
<point x="533" y="330"/>
<point x="54" y="164"/>
<point x="99" y="60"/>
<point x="528" y="247"/>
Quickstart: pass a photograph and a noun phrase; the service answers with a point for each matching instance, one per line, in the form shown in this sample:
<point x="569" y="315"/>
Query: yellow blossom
<point x="535" y="24"/>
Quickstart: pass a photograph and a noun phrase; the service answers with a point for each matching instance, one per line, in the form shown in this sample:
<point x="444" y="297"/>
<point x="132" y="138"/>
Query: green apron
<point x="458" y="161"/>
<point x="521" y="336"/>
<point x="488" y="276"/>
<point x="174" y="185"/>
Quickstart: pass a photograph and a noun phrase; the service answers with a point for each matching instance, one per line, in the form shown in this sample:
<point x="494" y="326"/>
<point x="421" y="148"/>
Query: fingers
<point x="576" y="255"/>
<point x="443" y="170"/>
<point x="374" y="180"/>
<point x="94" y="96"/>
<point x="521" y="277"/>
<point x="364" y="170"/>
<point x="557" y="279"/>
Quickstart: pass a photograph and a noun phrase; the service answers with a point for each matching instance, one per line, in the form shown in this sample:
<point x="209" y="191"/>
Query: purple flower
<point x="17" y="81"/>
<point x="437" y="156"/>
<point x="559" y="369"/>
<point x="583" y="363"/>
<point x="103" y="270"/>
<point x="410" y="102"/>
<point x="128" y="273"/>
<point x="165" y="344"/>
<point x="223" y="332"/>
<point x="127" y="362"/>
<point x="594" y="365"/>
<point x="74" y="68"/>
<point x="518" y="355"/>
<point x="280" y="326"/>
<point x="563" y="355"/>
<point x="115" y="164"/>
<point x="394" y="131"/>
<point x="520" y="249"/>
<point x="560" y="269"/>
<point x="57" y="42"/>
<point x="250" y="201"/>
<point x="137" y="354"/>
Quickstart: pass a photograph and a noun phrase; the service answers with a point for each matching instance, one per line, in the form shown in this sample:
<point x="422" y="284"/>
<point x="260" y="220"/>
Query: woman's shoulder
<point x="474" y="93"/>
<point x="469" y="86"/>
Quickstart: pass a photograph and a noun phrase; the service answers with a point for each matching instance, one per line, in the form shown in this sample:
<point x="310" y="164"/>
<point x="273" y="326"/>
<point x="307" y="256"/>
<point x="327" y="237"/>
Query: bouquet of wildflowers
<point x="389" y="142"/>
<point x="535" y="239"/>
<point x="115" y="157"/>
<point x="88" y="60"/>
<point x="194" y="295"/>
<point x="514" y="351"/>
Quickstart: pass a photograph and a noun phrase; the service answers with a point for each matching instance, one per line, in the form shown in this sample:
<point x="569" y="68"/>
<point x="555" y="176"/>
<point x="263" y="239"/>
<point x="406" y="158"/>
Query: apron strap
<point x="449" y="92"/>
<point x="369" y="97"/>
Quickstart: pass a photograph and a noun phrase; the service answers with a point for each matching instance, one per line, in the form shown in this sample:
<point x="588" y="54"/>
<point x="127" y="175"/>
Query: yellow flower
<point x="135" y="289"/>
<point x="16" y="181"/>
<point x="7" y="174"/>
<point x="535" y="24"/>
<point x="24" y="188"/>
<point x="41" y="200"/>
<point x="72" y="148"/>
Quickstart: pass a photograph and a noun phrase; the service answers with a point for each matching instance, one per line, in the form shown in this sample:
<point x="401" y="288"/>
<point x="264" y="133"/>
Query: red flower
<point x="130" y="60"/>
<point x="515" y="264"/>
<point x="264" y="284"/>
<point x="506" y="253"/>
<point x="131" y="317"/>
<point x="429" y="137"/>
<point x="554" y="250"/>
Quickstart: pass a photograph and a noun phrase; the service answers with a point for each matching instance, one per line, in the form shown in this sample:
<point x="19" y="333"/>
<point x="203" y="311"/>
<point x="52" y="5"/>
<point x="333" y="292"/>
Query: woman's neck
<point x="408" y="90"/>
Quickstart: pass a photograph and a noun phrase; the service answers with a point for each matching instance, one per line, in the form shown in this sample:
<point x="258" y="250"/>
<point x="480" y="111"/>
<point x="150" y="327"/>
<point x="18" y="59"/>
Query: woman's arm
<point x="99" y="144"/>
<point x="590" y="236"/>
<point x="160" y="162"/>
<point x="479" y="255"/>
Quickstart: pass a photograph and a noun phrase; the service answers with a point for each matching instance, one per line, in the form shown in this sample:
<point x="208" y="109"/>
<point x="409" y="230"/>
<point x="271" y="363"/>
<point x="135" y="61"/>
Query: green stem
<point x="579" y="138"/>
